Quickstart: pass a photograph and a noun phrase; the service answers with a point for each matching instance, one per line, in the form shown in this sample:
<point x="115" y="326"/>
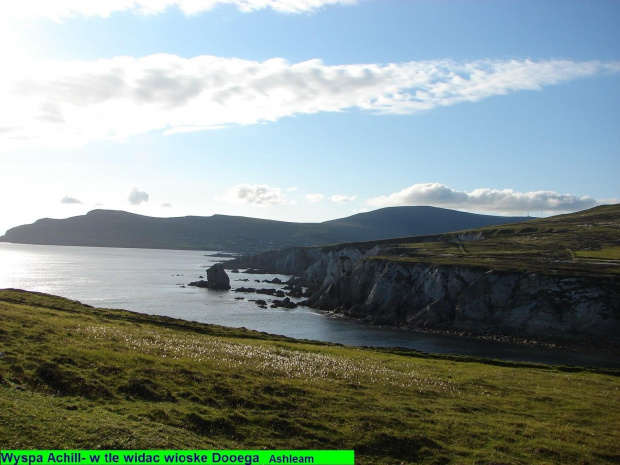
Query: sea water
<point x="155" y="282"/>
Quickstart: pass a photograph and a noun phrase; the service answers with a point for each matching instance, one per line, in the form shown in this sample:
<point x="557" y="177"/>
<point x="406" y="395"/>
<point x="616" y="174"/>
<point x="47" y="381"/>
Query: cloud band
<point x="61" y="9"/>
<point x="72" y="103"/>
<point x="490" y="200"/>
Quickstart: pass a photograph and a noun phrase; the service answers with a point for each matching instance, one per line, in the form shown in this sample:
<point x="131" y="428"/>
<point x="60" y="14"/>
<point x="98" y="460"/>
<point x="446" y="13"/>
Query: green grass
<point x="584" y="243"/>
<point x="608" y="253"/>
<point x="75" y="377"/>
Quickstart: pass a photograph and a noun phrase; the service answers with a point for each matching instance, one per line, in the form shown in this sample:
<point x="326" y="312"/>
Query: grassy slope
<point x="584" y="243"/>
<point x="72" y="376"/>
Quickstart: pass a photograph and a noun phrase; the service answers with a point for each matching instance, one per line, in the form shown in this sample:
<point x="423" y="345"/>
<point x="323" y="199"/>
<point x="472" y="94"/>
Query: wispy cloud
<point x="258" y="194"/>
<point x="485" y="199"/>
<point x="136" y="197"/>
<point x="314" y="198"/>
<point x="342" y="198"/>
<point x="70" y="200"/>
<point x="74" y="102"/>
<point x="61" y="9"/>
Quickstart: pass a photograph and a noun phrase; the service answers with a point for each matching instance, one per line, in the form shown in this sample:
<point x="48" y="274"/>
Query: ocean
<point x="154" y="282"/>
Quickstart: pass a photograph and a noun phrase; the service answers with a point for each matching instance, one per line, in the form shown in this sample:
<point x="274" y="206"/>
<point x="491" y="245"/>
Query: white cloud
<point x="69" y="200"/>
<point x="491" y="200"/>
<point x="136" y="197"/>
<point x="70" y="103"/>
<point x="314" y="198"/>
<point x="61" y="9"/>
<point x="342" y="198"/>
<point x="259" y="194"/>
<point x="166" y="205"/>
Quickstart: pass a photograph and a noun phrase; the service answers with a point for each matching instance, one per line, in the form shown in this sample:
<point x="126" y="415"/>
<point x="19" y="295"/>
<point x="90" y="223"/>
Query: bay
<point x="153" y="282"/>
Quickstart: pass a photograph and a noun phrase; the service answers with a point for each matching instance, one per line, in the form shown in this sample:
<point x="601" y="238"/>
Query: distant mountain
<point x="110" y="228"/>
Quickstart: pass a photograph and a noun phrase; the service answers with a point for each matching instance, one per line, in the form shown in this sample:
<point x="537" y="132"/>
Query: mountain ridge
<point x="118" y="228"/>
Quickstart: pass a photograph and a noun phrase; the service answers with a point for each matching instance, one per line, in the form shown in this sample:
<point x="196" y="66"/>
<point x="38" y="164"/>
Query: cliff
<point x="474" y="300"/>
<point x="541" y="280"/>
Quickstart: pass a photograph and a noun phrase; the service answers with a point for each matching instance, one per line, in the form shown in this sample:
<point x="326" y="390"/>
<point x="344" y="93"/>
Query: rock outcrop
<point x="217" y="279"/>
<point x="354" y="280"/>
<point x="474" y="300"/>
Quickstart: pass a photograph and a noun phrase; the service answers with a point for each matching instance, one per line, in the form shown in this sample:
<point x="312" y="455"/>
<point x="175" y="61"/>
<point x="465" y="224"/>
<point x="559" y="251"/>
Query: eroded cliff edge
<point x="461" y="287"/>
<point x="359" y="283"/>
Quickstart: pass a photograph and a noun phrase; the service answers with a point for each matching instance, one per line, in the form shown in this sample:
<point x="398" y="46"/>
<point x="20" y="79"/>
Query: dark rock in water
<point x="239" y="298"/>
<point x="261" y="302"/>
<point x="217" y="279"/>
<point x="284" y="303"/>
<point x="223" y="255"/>
<point x="201" y="277"/>
<point x="245" y="289"/>
<point x="279" y="293"/>
<point x="273" y="281"/>
<point x="296" y="291"/>
<point x="235" y="271"/>
<point x="266" y="291"/>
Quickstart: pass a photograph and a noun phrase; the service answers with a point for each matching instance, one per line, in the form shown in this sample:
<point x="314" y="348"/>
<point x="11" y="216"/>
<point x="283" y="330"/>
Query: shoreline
<point x="583" y="347"/>
<point x="457" y="335"/>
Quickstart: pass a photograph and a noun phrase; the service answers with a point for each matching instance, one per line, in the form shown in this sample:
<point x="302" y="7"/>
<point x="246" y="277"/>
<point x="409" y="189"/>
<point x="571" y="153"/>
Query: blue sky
<point x="307" y="110"/>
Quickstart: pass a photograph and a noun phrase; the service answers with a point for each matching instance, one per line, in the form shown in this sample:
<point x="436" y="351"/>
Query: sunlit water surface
<point x="150" y="281"/>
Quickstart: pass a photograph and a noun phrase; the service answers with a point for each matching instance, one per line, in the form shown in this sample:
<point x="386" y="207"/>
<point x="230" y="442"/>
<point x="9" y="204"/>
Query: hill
<point x="77" y="377"/>
<point x="582" y="243"/>
<point x="107" y="228"/>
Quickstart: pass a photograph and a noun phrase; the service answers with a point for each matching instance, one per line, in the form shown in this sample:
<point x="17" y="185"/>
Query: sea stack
<point x="217" y="278"/>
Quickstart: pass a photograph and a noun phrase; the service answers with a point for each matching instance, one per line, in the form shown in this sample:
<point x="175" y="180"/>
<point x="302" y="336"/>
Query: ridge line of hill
<point x="110" y="228"/>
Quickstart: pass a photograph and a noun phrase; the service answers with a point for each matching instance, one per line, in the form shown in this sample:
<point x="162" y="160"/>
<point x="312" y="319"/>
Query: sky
<point x="307" y="110"/>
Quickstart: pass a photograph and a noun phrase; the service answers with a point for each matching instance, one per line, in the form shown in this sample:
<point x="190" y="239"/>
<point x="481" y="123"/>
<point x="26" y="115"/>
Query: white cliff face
<point x="390" y="292"/>
<point x="350" y="281"/>
<point x="469" y="237"/>
<point x="332" y="265"/>
<point x="542" y="305"/>
<point x="463" y="298"/>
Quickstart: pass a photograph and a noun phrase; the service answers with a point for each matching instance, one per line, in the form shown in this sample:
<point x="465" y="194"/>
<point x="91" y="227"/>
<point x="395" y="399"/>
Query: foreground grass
<point x="75" y="377"/>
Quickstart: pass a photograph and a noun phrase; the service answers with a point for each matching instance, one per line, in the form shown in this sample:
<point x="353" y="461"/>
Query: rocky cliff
<point x="358" y="280"/>
<point x="475" y="300"/>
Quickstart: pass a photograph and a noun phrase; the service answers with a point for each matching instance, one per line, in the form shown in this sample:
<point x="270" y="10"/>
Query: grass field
<point x="583" y="243"/>
<point x="75" y="377"/>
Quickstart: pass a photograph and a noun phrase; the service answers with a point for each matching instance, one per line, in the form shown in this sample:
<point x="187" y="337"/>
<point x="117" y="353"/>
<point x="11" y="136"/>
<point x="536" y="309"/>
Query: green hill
<point x="107" y="228"/>
<point x="582" y="243"/>
<point x="76" y="377"/>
